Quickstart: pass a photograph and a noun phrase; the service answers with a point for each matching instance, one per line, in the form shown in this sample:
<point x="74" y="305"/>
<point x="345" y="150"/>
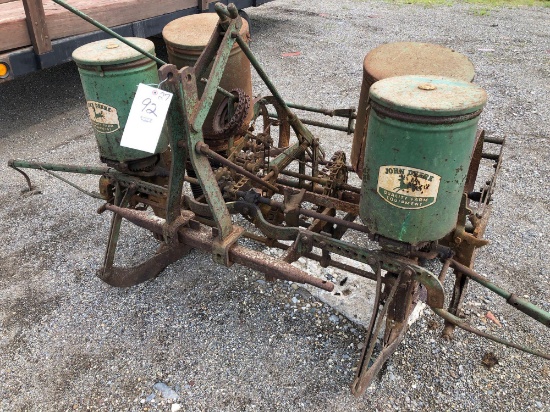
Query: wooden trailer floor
<point x="61" y="23"/>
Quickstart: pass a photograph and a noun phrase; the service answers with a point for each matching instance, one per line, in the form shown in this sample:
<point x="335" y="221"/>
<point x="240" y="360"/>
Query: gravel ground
<point x="223" y="339"/>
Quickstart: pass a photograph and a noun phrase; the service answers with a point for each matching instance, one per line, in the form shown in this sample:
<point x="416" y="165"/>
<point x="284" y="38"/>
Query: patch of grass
<point x="482" y="11"/>
<point x="488" y="4"/>
<point x="424" y="2"/>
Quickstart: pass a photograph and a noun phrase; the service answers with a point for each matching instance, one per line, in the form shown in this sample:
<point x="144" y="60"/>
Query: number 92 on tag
<point x="146" y="118"/>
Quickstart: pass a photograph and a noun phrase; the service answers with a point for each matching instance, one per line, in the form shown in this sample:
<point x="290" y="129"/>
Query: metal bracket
<point x="292" y="202"/>
<point x="303" y="244"/>
<point x="178" y="125"/>
<point x="460" y="233"/>
<point x="220" y="247"/>
<point x="170" y="230"/>
<point x="196" y="111"/>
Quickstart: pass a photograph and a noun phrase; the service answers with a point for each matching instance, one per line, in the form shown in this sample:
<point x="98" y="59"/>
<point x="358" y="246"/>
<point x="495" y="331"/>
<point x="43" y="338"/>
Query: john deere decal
<point x="407" y="187"/>
<point x="104" y="118"/>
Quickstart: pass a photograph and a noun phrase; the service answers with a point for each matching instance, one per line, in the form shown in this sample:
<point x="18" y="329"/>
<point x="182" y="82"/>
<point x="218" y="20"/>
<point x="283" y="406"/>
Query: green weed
<point x="487" y="4"/>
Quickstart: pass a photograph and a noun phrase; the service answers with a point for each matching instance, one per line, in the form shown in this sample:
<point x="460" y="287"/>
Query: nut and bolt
<point x="372" y="261"/>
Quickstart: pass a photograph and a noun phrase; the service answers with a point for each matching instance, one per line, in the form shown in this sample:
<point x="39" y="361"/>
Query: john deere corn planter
<point x="416" y="146"/>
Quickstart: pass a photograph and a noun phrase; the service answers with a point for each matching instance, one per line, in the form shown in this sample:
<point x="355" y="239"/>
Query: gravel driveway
<point x="223" y="339"/>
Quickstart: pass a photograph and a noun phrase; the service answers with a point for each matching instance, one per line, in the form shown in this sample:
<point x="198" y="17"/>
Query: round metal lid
<point x="428" y="95"/>
<point x="194" y="31"/>
<point x="404" y="58"/>
<point x="111" y="51"/>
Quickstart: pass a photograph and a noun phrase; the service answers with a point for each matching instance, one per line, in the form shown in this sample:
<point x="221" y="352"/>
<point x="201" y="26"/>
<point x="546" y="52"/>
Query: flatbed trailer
<point x="37" y="34"/>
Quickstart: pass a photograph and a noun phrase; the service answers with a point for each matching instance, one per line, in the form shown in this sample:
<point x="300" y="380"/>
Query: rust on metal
<point x="272" y="172"/>
<point x="400" y="59"/>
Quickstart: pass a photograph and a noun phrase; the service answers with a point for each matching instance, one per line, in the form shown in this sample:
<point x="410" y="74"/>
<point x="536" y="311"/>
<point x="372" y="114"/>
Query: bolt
<point x="200" y="146"/>
<point x="408" y="272"/>
<point x="372" y="260"/>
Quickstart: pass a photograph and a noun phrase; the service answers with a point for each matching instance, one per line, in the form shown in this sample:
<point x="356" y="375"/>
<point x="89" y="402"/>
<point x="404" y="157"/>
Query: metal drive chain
<point x="336" y="172"/>
<point x="223" y="129"/>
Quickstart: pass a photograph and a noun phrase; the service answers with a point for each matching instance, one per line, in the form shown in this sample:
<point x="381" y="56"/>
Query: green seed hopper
<point x="420" y="198"/>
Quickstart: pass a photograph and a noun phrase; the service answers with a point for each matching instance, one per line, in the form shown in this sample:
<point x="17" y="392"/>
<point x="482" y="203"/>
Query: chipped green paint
<point x="110" y="72"/>
<point x="419" y="141"/>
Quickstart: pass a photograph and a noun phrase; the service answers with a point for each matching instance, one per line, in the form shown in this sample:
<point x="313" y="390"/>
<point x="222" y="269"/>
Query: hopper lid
<point x="428" y="95"/>
<point x="111" y="51"/>
<point x="405" y="58"/>
<point x="194" y="31"/>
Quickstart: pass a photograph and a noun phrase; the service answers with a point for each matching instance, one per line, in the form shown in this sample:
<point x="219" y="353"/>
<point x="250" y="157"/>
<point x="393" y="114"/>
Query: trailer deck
<point x="37" y="34"/>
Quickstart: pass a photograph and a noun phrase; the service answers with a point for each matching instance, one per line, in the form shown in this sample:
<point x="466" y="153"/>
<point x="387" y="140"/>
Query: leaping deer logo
<point x="97" y="115"/>
<point x="412" y="185"/>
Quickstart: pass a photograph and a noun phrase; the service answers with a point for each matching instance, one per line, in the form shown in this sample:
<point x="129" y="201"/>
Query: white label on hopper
<point x="146" y="118"/>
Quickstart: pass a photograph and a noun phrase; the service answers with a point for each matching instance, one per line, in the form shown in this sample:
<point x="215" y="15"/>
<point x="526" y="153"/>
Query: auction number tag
<point x="146" y="118"/>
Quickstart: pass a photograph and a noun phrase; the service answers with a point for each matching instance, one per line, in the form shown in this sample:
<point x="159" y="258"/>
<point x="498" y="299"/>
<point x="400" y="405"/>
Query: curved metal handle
<point x="230" y="11"/>
<point x="521" y="304"/>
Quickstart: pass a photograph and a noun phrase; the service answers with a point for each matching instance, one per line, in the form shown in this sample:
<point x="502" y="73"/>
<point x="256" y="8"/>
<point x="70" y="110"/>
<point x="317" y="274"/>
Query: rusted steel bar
<point x="287" y="156"/>
<point x="318" y="258"/>
<point x="332" y="202"/>
<point x="204" y="149"/>
<point x="275" y="151"/>
<point x="151" y="223"/>
<point x="57" y="167"/>
<point x="350" y="188"/>
<point x="285" y="182"/>
<point x="319" y="124"/>
<point x="317" y="215"/>
<point x="95" y="195"/>
<point x="300" y="185"/>
<point x="275" y="267"/>
<point x="315" y="179"/>
<point x="444" y="270"/>
<point x="221" y="90"/>
<point x="345" y="113"/>
<point x="348" y="268"/>
<point x="202" y="240"/>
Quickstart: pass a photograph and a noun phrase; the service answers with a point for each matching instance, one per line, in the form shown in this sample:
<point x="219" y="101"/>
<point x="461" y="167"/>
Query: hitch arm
<point x="435" y="302"/>
<point x="519" y="303"/>
<point x="463" y="325"/>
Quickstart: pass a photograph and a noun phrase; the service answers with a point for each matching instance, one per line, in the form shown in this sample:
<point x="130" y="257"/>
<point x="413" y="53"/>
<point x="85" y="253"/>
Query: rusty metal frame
<point x="183" y="223"/>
